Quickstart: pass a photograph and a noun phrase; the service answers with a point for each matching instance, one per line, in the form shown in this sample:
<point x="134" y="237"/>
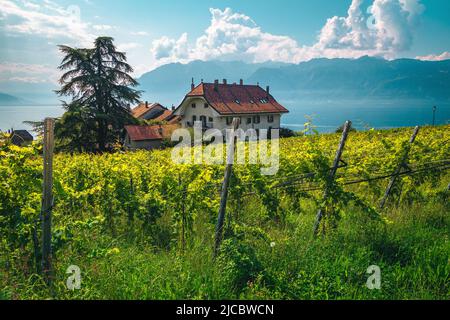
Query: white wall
<point x="219" y="122"/>
<point x="198" y="111"/>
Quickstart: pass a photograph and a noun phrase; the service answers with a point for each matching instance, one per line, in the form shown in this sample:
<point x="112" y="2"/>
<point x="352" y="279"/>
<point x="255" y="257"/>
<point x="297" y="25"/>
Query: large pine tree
<point x="99" y="82"/>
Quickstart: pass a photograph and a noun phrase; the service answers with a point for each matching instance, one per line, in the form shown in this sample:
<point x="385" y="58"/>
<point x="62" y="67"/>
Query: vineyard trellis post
<point x="399" y="168"/>
<point x="47" y="199"/>
<point x="337" y="159"/>
<point x="226" y="182"/>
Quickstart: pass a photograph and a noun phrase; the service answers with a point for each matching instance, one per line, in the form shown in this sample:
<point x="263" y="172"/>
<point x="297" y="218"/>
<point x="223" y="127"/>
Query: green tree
<point x="102" y="91"/>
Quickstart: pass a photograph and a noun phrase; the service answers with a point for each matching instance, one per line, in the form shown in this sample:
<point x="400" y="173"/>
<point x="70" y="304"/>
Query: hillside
<point x="142" y="227"/>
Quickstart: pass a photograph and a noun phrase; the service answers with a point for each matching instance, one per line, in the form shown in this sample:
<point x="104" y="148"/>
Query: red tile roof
<point x="156" y="132"/>
<point x="236" y="98"/>
<point x="143" y="108"/>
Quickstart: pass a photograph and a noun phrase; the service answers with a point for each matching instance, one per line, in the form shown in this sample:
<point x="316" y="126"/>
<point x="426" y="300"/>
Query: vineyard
<point x="141" y="227"/>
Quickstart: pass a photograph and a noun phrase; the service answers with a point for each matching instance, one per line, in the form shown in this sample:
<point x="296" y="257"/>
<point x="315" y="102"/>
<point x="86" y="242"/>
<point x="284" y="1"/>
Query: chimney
<point x="192" y="84"/>
<point x="173" y="107"/>
<point x="146" y="104"/>
<point x="216" y="85"/>
<point x="224" y="81"/>
<point x="268" y="90"/>
<point x="241" y="82"/>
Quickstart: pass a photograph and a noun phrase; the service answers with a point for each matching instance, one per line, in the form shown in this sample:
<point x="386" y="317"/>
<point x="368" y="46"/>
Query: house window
<point x="270" y="118"/>
<point x="249" y="120"/>
<point x="263" y="100"/>
<point x="237" y="101"/>
<point x="211" y="119"/>
<point x="194" y="118"/>
<point x="229" y="120"/>
<point x="256" y="119"/>
<point x="194" y="106"/>
<point x="206" y="105"/>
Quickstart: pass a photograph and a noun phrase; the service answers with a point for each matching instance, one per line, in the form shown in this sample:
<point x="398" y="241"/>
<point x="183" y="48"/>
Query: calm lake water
<point x="327" y="116"/>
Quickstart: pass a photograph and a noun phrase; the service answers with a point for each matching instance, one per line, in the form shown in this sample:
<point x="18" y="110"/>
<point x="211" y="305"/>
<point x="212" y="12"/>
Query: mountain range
<point x="315" y="80"/>
<point x="318" y="79"/>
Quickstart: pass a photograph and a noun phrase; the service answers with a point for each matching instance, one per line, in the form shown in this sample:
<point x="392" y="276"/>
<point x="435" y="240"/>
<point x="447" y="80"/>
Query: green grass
<point x="412" y="249"/>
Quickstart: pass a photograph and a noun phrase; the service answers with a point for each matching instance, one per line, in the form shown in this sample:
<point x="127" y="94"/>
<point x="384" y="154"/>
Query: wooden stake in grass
<point x="226" y="183"/>
<point x="399" y="168"/>
<point x="47" y="199"/>
<point x="333" y="171"/>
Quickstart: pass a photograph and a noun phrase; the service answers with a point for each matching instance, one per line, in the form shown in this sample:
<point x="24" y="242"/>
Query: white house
<point x="216" y="104"/>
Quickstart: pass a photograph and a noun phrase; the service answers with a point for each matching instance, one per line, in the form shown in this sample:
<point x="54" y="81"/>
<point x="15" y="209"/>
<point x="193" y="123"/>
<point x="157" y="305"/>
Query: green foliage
<point x="238" y="264"/>
<point x="141" y="227"/>
<point x="101" y="88"/>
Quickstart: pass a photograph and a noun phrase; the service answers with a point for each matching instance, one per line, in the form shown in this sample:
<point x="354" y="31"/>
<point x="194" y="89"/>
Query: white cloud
<point x="167" y="49"/>
<point x="30" y="73"/>
<point x="432" y="57"/>
<point x="49" y="20"/>
<point x="385" y="29"/>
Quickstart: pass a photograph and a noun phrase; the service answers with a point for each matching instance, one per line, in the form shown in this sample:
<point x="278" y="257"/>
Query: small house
<point x="147" y="137"/>
<point x="148" y="111"/>
<point x="216" y="104"/>
<point x="21" y="138"/>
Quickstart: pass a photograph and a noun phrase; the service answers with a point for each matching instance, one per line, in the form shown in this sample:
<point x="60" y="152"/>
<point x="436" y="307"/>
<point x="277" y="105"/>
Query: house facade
<point x="216" y="104"/>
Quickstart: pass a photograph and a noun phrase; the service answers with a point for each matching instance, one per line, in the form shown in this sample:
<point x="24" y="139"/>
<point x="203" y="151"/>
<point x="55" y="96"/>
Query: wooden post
<point x="183" y="215"/>
<point x="333" y="171"/>
<point x="47" y="200"/>
<point x="226" y="182"/>
<point x="399" y="168"/>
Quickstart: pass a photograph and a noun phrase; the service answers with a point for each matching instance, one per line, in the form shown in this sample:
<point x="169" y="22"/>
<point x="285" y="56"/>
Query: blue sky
<point x="158" y="32"/>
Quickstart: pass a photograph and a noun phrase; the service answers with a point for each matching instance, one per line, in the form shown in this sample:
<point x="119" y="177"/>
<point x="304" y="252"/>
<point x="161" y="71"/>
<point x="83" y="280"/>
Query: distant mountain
<point x="365" y="77"/>
<point x="318" y="79"/>
<point x="32" y="93"/>
<point x="10" y="100"/>
<point x="169" y="83"/>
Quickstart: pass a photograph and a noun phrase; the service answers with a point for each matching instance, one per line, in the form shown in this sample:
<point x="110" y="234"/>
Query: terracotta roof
<point x="156" y="132"/>
<point x="164" y="116"/>
<point x="143" y="108"/>
<point x="237" y="98"/>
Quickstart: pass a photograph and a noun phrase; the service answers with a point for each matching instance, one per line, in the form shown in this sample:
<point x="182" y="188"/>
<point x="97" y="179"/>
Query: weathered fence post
<point x="226" y="183"/>
<point x="333" y="171"/>
<point x="47" y="200"/>
<point x="399" y="168"/>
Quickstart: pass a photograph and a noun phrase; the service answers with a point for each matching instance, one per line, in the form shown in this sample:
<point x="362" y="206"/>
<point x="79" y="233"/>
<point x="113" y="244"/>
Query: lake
<point x="327" y="115"/>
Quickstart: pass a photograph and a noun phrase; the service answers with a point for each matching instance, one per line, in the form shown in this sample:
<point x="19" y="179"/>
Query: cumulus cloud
<point x="166" y="48"/>
<point x="49" y="20"/>
<point x="432" y="57"/>
<point x="385" y="28"/>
